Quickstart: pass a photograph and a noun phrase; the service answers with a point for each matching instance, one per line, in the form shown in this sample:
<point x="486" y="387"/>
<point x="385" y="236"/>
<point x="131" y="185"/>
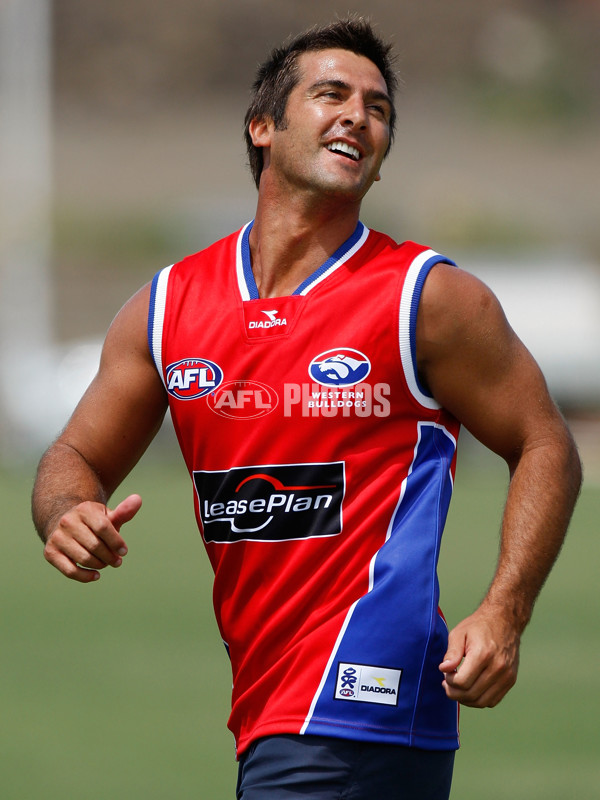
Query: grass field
<point x="120" y="689"/>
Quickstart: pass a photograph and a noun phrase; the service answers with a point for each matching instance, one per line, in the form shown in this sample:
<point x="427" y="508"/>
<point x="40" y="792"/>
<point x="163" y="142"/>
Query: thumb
<point x="455" y="652"/>
<point x="126" y="510"/>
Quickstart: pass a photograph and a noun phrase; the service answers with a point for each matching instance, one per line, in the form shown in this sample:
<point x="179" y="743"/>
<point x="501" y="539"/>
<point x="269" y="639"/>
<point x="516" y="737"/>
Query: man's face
<point x="336" y="129"/>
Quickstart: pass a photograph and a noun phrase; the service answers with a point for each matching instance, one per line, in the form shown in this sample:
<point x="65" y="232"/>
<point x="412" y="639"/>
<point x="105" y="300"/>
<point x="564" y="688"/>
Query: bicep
<point x="124" y="406"/>
<point x="478" y="369"/>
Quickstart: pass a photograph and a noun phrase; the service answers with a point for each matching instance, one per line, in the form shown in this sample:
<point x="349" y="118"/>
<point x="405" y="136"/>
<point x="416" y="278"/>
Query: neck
<point x="287" y="244"/>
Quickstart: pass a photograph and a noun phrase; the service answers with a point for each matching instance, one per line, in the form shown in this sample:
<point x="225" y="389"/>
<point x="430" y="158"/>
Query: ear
<point x="378" y="178"/>
<point x="260" y="131"/>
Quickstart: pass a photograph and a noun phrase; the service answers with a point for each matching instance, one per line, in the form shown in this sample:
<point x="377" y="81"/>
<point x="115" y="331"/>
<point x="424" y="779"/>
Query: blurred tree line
<point x="124" y="57"/>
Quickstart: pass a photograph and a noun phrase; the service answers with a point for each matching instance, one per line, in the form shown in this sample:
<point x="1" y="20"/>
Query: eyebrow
<point x="374" y="94"/>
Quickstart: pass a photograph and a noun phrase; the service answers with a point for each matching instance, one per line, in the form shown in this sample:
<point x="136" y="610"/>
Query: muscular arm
<point x="477" y="368"/>
<point x="109" y="430"/>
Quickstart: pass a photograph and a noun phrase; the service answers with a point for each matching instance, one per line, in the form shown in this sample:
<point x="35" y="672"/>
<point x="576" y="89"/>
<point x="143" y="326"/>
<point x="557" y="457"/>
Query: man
<point x="317" y="373"/>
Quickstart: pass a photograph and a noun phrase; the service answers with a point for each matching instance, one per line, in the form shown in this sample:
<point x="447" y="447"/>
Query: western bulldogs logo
<point x="192" y="377"/>
<point x="341" y="366"/>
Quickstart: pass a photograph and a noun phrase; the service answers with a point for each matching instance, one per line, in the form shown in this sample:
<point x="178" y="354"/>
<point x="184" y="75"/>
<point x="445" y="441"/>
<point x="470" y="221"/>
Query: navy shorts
<point x="323" y="768"/>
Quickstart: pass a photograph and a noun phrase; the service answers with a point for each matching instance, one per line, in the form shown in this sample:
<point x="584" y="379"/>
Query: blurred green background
<point x="120" y="689"/>
<point x="124" y="154"/>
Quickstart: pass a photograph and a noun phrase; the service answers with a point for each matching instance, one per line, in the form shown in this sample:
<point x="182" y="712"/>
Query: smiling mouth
<point x="343" y="149"/>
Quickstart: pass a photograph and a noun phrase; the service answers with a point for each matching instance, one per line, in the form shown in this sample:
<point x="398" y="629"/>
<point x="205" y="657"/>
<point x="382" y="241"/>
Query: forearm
<point x="64" y="479"/>
<point x="544" y="486"/>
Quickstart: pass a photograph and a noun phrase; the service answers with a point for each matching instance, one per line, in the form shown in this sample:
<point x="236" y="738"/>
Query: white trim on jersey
<point x="328" y="666"/>
<point x="239" y="264"/>
<point x="158" y="318"/>
<point x="405" y="328"/>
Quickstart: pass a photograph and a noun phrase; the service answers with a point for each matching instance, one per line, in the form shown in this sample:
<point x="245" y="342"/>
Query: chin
<point x="342" y="187"/>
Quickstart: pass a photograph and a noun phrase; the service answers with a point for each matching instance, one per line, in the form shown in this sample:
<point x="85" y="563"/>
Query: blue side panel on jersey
<point x="151" y="312"/>
<point x="396" y="625"/>
<point x="420" y="282"/>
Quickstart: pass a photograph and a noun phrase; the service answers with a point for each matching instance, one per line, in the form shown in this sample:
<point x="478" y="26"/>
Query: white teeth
<point x="342" y="147"/>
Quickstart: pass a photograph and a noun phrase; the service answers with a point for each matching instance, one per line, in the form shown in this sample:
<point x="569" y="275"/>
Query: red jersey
<point x="322" y="474"/>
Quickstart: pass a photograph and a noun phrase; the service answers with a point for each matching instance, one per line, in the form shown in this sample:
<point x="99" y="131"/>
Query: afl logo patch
<point x="243" y="400"/>
<point x="341" y="366"/>
<point x="192" y="377"/>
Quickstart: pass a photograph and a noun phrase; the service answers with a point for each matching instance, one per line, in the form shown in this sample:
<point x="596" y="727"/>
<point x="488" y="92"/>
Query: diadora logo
<point x="271" y="503"/>
<point x="365" y="684"/>
<point x="272" y="320"/>
<point x="243" y="400"/>
<point x="342" y="366"/>
<point x="192" y="377"/>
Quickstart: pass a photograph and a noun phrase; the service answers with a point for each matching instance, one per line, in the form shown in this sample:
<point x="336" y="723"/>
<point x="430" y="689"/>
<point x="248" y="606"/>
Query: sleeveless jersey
<point x="322" y="473"/>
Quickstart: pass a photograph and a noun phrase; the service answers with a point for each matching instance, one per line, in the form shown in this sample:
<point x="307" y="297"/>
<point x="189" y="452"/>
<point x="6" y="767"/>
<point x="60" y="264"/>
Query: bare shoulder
<point x="475" y="365"/>
<point x="455" y="307"/>
<point x="128" y="331"/>
<point x="461" y="322"/>
<point x="126" y="365"/>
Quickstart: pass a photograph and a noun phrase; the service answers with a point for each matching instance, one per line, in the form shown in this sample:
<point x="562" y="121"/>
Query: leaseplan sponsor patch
<point x="271" y="502"/>
<point x="365" y="684"/>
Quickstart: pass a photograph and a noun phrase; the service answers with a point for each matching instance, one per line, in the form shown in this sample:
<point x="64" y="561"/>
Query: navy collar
<point x="247" y="284"/>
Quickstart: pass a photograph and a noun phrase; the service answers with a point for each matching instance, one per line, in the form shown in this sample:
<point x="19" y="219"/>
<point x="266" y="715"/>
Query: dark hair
<point x="278" y="75"/>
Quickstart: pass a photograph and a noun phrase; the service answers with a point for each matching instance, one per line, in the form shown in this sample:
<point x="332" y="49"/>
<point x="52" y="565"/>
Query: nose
<point x="354" y="113"/>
